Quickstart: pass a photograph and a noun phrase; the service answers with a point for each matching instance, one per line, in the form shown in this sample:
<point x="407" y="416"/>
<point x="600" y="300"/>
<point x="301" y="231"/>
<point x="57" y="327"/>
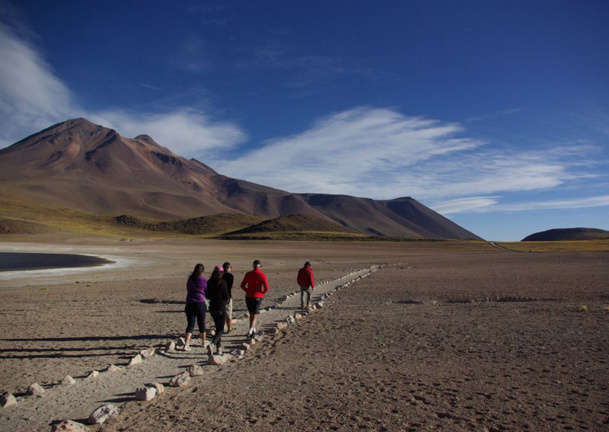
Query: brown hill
<point x="293" y="223"/>
<point x="92" y="169"/>
<point x="568" y="234"/>
<point x="214" y="224"/>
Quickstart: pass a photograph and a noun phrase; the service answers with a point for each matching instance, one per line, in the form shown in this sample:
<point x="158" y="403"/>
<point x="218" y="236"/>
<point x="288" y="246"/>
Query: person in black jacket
<point x="217" y="294"/>
<point x="229" y="279"/>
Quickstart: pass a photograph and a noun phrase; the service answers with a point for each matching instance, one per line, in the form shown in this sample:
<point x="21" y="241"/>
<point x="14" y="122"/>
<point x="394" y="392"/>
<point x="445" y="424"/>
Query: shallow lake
<point x="11" y="261"/>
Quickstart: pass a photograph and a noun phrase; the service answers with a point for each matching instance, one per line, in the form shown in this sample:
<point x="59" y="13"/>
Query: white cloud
<point x="383" y="154"/>
<point x="186" y="132"/>
<point x="491" y="204"/>
<point x="31" y="96"/>
<point x="464" y="205"/>
<point x="598" y="201"/>
<point x="361" y="152"/>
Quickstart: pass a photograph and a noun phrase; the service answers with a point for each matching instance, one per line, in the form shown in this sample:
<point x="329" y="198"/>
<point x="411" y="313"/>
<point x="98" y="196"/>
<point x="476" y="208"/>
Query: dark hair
<point x="226" y="265"/>
<point x="256" y="263"/>
<point x="216" y="276"/>
<point x="198" y="270"/>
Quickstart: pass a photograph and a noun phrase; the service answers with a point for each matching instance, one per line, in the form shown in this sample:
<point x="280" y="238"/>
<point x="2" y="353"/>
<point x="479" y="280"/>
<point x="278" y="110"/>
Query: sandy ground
<point x="439" y="339"/>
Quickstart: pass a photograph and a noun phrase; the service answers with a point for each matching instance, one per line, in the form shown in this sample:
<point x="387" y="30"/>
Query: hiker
<point x="255" y="286"/>
<point x="229" y="279"/>
<point x="195" y="304"/>
<point x="217" y="293"/>
<point x="305" y="280"/>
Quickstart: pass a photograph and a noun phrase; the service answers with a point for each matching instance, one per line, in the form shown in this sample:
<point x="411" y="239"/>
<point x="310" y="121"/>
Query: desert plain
<point x="455" y="336"/>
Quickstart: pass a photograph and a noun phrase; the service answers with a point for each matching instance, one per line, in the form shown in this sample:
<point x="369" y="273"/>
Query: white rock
<point x="145" y="393"/>
<point x="135" y="360"/>
<point x="217" y="360"/>
<point x="239" y="352"/>
<point x="245" y="346"/>
<point x="212" y="332"/>
<point x="94" y="374"/>
<point x="280" y="326"/>
<point x="113" y="368"/>
<point x="160" y="388"/>
<point x="258" y="338"/>
<point x="290" y="320"/>
<point x="69" y="426"/>
<point x="68" y="380"/>
<point x="180" y="380"/>
<point x="297" y="316"/>
<point x="195" y="370"/>
<point x="103" y="413"/>
<point x="171" y="346"/>
<point x="320" y="305"/>
<point x="35" y="390"/>
<point x="7" y="400"/>
<point x="149" y="352"/>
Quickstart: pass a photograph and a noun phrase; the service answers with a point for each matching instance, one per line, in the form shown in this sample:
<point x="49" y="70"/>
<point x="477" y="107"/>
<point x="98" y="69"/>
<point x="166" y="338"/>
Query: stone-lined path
<point x="79" y="400"/>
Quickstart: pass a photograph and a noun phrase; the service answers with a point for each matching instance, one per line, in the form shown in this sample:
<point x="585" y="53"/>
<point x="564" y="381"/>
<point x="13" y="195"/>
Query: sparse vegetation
<point x="559" y="246"/>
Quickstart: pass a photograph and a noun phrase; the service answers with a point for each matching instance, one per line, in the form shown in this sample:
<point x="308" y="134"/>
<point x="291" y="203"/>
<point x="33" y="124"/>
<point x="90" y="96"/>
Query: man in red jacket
<point x="305" y="280"/>
<point x="255" y="286"/>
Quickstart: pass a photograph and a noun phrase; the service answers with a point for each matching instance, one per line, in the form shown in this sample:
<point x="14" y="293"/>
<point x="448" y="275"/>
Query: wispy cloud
<point x="191" y="56"/>
<point x="465" y="205"/>
<point x="363" y="152"/>
<point x="491" y="204"/>
<point x="185" y="131"/>
<point x="32" y="97"/>
<point x="381" y="153"/>
<point x="303" y="71"/>
<point x="502" y="113"/>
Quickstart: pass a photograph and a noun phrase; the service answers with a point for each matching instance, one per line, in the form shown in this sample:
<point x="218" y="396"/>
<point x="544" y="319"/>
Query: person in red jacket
<point x="305" y="280"/>
<point x="255" y="286"/>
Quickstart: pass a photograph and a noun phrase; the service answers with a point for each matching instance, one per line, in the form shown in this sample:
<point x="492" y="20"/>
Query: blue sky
<point x="493" y="113"/>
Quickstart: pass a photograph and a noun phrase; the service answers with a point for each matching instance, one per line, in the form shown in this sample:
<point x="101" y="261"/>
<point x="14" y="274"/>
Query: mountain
<point x="86" y="167"/>
<point x="566" y="234"/>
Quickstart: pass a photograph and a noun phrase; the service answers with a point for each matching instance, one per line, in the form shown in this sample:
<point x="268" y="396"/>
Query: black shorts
<point x="253" y="305"/>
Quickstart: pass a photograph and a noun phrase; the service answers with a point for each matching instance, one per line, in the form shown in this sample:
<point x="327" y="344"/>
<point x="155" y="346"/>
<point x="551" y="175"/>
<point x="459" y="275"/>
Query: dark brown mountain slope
<point x="91" y="168"/>
<point x="86" y="167"/>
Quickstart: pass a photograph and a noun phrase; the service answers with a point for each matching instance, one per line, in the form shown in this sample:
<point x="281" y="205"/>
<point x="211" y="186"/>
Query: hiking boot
<point x="220" y="351"/>
<point x="186" y="348"/>
<point x="210" y="349"/>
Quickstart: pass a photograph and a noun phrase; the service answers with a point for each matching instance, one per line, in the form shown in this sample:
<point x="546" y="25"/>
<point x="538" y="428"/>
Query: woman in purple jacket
<point x="195" y="304"/>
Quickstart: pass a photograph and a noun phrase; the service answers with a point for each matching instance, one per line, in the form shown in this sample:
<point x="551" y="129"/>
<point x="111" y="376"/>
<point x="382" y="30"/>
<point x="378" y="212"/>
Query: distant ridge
<point x="214" y="224"/>
<point x="293" y="223"/>
<point x="92" y="169"/>
<point x="566" y="234"/>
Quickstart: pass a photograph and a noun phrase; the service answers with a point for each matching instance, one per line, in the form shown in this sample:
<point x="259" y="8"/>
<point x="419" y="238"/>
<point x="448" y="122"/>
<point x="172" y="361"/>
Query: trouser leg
<point x="219" y="319"/>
